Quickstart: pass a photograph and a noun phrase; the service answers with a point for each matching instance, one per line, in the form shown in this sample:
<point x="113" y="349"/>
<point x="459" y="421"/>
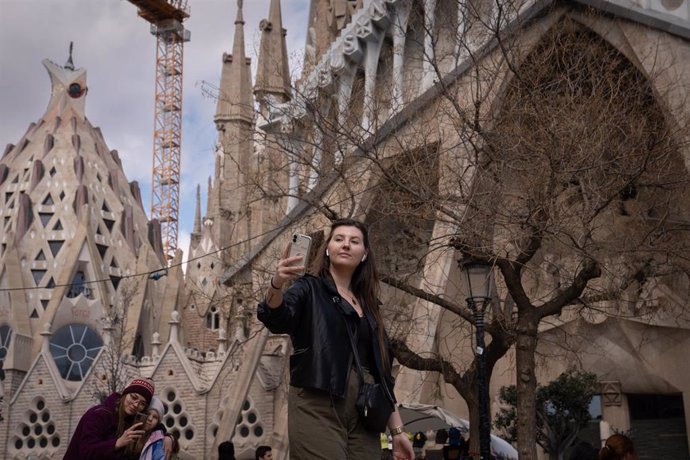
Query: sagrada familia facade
<point x="86" y="300"/>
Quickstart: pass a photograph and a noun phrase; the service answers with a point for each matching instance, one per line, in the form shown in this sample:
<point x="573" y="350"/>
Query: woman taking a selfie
<point x="327" y="317"/>
<point x="107" y="429"/>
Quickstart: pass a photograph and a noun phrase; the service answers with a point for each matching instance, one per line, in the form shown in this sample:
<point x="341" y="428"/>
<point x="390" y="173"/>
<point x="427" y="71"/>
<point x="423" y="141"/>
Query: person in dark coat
<point x="584" y="451"/>
<point x="105" y="430"/>
<point x="456" y="445"/>
<point x="323" y="314"/>
<point x="226" y="451"/>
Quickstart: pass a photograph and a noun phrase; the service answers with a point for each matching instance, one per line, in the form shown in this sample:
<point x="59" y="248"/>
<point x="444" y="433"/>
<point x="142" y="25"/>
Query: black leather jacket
<point x="315" y="316"/>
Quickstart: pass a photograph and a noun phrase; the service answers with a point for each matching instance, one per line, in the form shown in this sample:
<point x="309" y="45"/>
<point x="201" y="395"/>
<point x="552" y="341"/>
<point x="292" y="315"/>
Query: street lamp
<point x="478" y="278"/>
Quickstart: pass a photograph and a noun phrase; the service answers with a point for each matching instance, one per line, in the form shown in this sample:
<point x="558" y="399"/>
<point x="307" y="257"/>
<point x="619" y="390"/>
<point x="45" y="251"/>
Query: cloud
<point x="116" y="48"/>
<point x="183" y="240"/>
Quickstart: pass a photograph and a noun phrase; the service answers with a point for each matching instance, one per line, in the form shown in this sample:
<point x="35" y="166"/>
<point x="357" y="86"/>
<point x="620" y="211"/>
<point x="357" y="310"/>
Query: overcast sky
<point x="116" y="48"/>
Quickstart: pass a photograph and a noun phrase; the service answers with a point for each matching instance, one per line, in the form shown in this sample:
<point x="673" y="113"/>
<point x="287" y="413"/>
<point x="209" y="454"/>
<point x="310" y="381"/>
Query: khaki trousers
<point x="325" y="427"/>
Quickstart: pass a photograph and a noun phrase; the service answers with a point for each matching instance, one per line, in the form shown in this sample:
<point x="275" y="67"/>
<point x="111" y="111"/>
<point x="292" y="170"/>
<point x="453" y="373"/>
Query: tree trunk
<point x="473" y="408"/>
<point x="526" y="392"/>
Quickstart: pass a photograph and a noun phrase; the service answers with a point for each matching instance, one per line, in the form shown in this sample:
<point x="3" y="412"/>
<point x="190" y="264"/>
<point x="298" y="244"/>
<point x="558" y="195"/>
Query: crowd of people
<point x="445" y="445"/>
<point x="451" y="445"/>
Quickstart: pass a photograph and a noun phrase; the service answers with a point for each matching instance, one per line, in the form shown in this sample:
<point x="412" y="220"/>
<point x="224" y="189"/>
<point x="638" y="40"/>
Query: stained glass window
<point x="74" y="348"/>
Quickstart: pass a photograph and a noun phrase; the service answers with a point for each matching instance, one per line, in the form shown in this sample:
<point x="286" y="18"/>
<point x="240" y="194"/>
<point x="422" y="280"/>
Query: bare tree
<point x="111" y="369"/>
<point x="545" y="154"/>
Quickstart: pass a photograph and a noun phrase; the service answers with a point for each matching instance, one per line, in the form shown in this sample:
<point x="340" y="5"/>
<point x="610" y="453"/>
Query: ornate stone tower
<point x="235" y="162"/>
<point x="76" y="248"/>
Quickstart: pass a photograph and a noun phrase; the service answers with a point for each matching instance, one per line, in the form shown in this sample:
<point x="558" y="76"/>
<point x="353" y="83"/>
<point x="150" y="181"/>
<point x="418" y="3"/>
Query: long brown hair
<point x="124" y="422"/>
<point x="365" y="280"/>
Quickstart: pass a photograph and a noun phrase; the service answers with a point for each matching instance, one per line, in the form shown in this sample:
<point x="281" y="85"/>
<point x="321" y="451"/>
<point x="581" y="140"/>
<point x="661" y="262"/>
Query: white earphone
<point x="364" y="257"/>
<point x="327" y="253"/>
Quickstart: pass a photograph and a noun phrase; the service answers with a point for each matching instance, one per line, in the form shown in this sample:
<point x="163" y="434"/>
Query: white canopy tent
<point x="424" y="417"/>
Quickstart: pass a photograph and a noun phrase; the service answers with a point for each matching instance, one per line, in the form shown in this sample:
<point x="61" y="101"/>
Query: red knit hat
<point x="143" y="387"/>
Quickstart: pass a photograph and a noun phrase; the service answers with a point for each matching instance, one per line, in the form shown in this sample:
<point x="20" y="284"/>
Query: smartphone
<point x="141" y="417"/>
<point x="300" y="246"/>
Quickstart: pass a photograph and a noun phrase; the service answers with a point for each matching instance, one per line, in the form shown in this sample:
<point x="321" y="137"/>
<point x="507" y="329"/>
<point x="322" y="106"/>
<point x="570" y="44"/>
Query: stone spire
<point x="195" y="236"/>
<point x="235" y="162"/>
<point x="321" y="31"/>
<point x="209" y="195"/>
<point x="235" y="101"/>
<point x="197" y="211"/>
<point x="273" y="71"/>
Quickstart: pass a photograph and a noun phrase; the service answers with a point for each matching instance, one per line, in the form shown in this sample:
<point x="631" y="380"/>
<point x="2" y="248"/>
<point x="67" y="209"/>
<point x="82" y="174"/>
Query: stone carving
<point x="611" y="394"/>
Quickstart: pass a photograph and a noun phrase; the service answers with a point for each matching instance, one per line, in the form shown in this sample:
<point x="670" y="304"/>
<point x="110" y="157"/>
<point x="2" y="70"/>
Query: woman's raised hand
<point x="130" y="435"/>
<point x="287" y="269"/>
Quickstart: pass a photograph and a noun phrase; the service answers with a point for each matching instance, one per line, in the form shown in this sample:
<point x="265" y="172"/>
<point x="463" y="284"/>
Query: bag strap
<point x="355" y="352"/>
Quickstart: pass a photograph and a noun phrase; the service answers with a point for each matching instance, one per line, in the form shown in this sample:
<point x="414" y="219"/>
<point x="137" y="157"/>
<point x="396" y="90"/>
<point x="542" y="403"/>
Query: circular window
<point x="75" y="90"/>
<point x="74" y="348"/>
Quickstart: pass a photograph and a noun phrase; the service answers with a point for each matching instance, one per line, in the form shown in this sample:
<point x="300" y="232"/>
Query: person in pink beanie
<point x="105" y="430"/>
<point x="155" y="444"/>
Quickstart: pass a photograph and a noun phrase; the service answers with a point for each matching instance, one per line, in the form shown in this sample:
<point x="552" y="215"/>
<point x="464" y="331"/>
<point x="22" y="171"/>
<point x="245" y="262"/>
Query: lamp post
<point x="478" y="278"/>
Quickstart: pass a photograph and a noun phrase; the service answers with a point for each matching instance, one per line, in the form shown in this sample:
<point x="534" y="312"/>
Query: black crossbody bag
<point x="373" y="404"/>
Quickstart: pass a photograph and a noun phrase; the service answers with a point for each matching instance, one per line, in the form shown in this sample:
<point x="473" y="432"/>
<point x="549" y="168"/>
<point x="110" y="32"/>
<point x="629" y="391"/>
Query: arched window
<point x="213" y="319"/>
<point x="74" y="348"/>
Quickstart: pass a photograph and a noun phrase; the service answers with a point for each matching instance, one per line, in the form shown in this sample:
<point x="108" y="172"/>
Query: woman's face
<point x="152" y="421"/>
<point x="134" y="402"/>
<point x="346" y="247"/>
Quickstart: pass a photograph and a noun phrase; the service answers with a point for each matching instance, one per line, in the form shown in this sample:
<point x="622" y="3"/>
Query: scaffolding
<point x="166" y="18"/>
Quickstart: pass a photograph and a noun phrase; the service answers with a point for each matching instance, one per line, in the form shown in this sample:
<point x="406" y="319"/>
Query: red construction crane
<point x="166" y="18"/>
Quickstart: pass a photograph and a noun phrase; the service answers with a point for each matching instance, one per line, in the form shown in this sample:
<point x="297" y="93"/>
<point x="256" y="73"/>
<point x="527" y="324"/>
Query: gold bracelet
<point x="397" y="430"/>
